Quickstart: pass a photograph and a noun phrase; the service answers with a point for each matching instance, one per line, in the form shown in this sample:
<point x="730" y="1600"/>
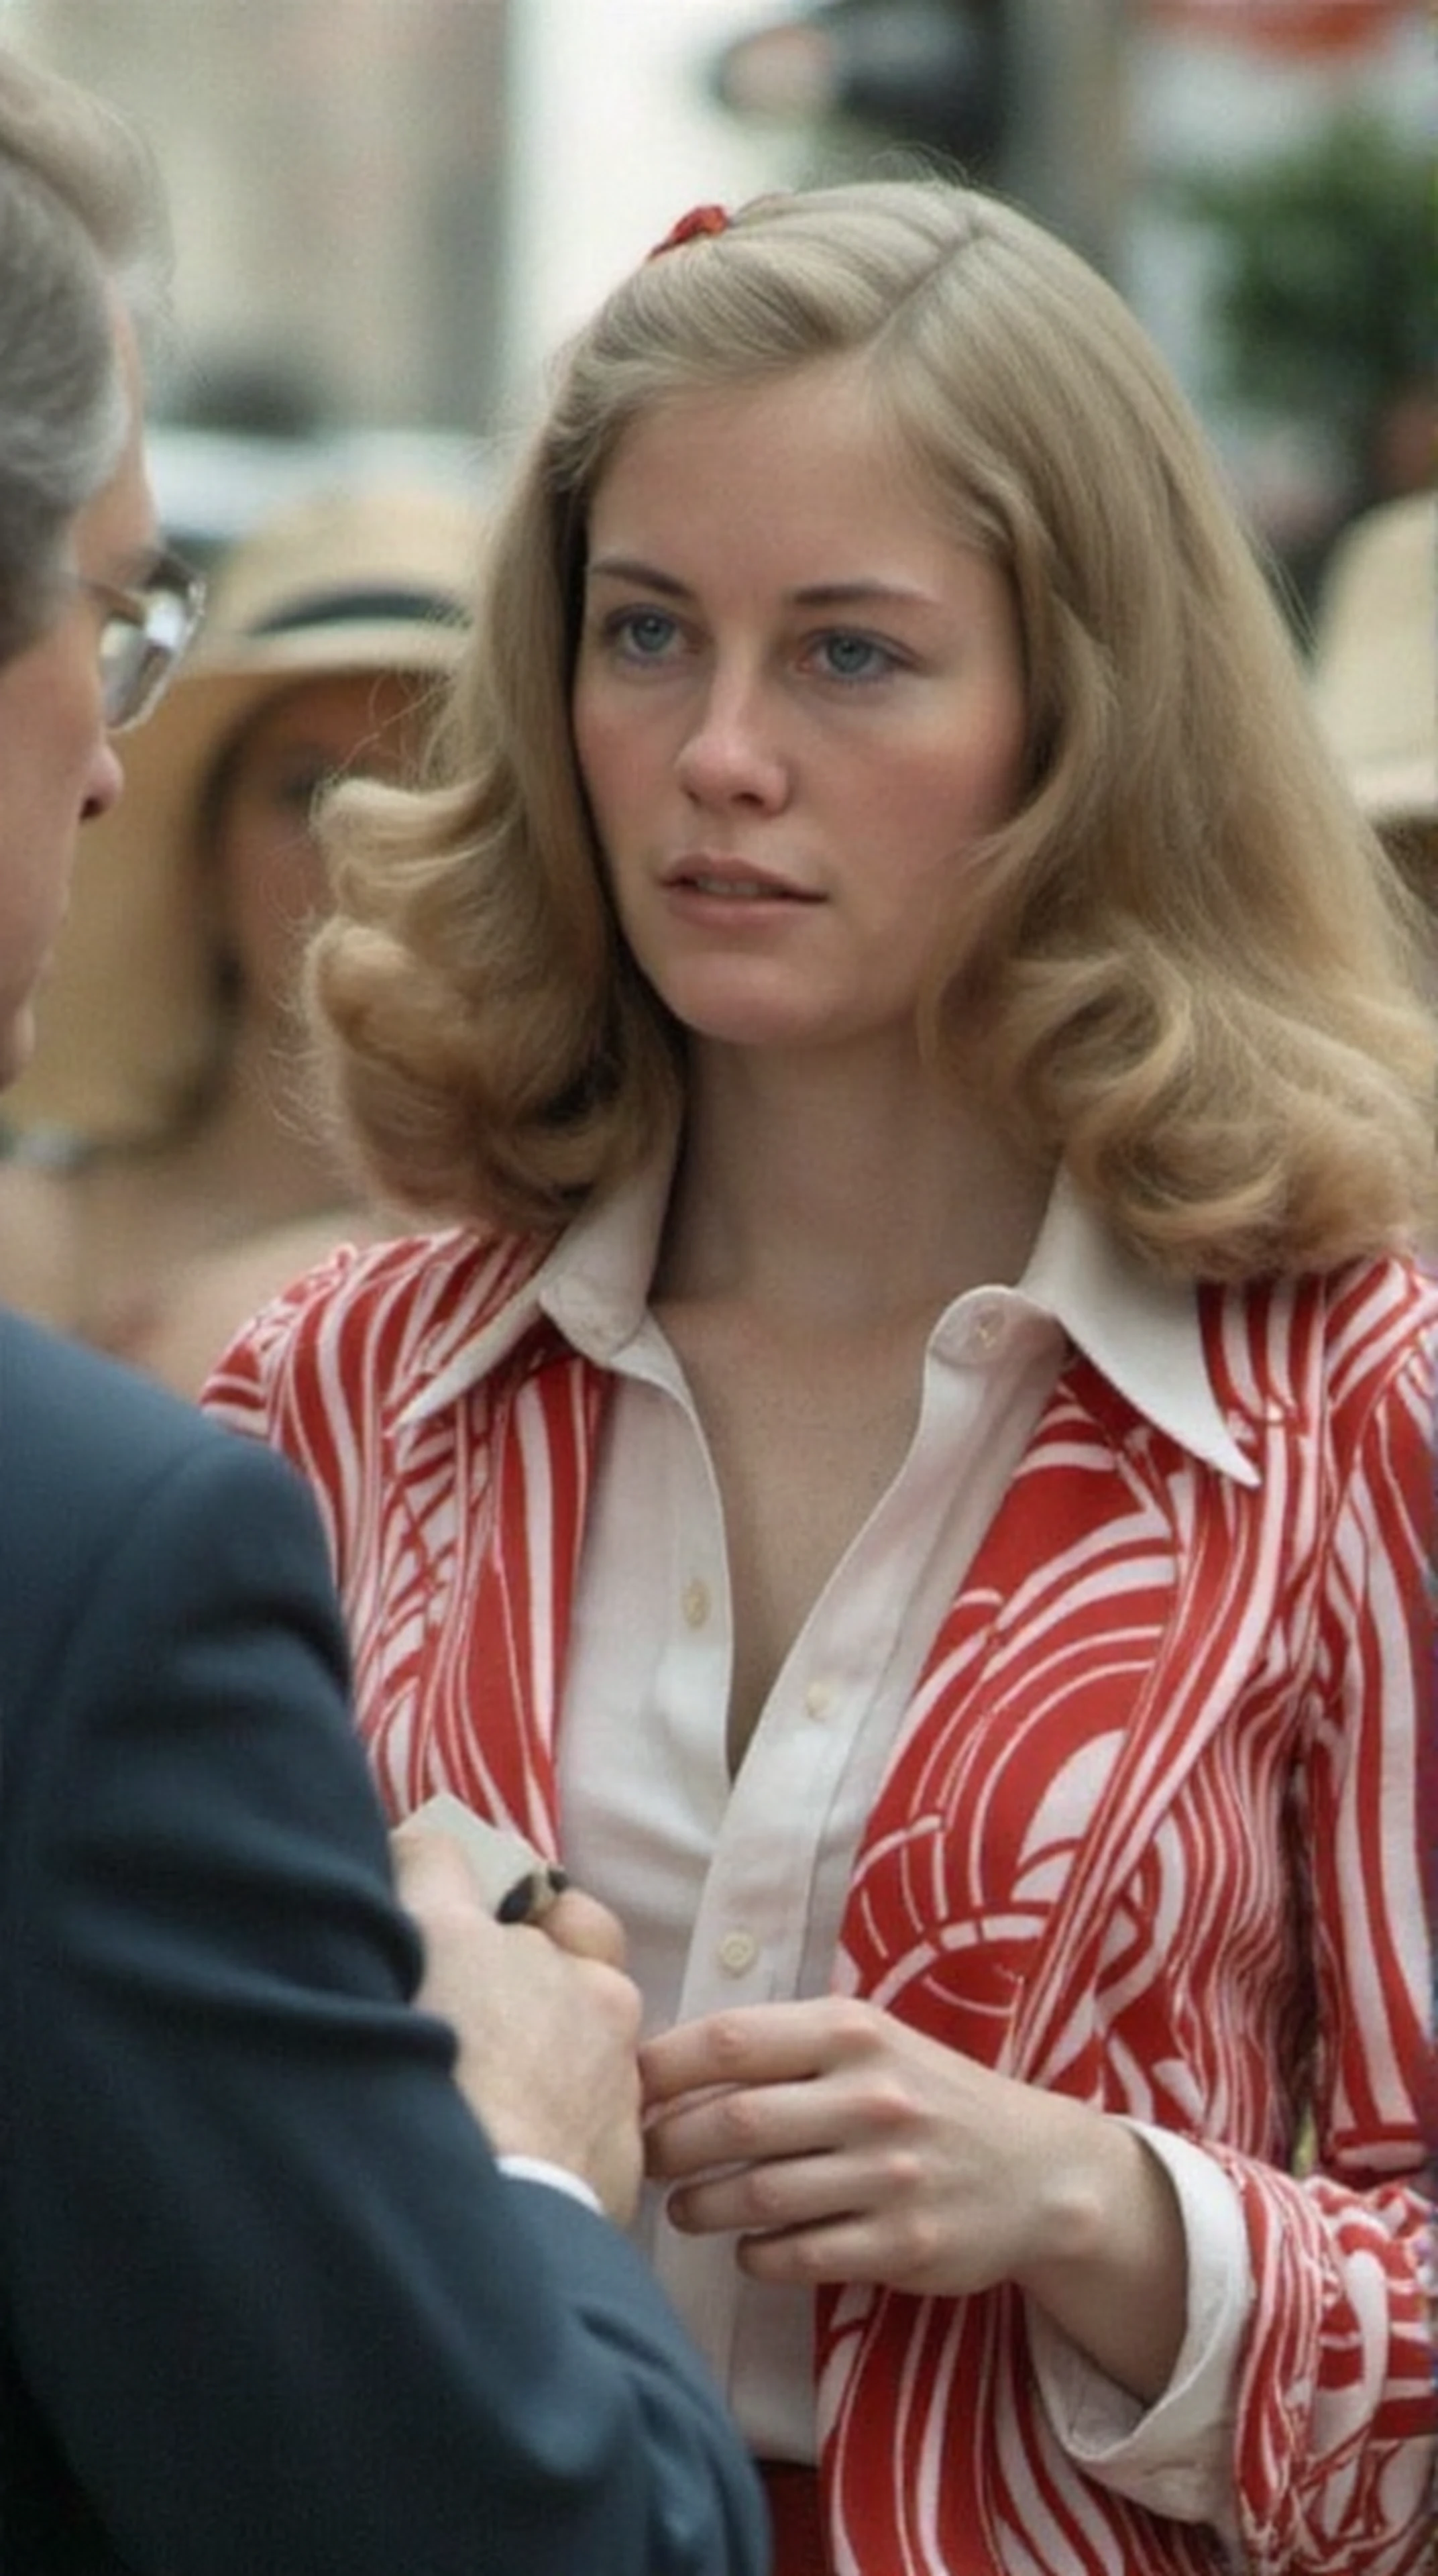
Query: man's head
<point x="83" y="261"/>
<point x="82" y="236"/>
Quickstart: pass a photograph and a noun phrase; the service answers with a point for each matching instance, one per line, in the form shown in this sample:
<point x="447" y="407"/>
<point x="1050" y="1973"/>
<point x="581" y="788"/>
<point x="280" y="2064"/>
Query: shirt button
<point x="737" y="1952"/>
<point x="696" y="1603"/>
<point x="819" y="1698"/>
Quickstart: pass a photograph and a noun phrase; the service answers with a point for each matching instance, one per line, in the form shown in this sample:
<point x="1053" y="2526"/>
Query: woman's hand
<point x="838" y="2145"/>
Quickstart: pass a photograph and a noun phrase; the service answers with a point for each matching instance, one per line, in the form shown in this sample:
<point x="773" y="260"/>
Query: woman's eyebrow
<point x="856" y="592"/>
<point x="859" y="592"/>
<point x="628" y="568"/>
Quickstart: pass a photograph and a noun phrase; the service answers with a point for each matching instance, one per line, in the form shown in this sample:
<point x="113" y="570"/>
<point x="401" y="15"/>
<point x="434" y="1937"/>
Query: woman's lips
<point x="727" y="882"/>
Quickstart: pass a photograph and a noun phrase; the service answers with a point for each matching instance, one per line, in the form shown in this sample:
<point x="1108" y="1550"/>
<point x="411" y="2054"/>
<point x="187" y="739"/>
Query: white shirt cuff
<point x="1173" y="2457"/>
<point x="554" y="2177"/>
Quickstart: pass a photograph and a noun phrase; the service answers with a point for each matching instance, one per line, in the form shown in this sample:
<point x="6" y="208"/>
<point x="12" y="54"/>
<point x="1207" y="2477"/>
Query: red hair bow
<point x="700" y="219"/>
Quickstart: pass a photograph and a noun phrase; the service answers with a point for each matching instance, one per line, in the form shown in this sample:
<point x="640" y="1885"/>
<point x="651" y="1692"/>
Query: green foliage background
<point x="1323" y="300"/>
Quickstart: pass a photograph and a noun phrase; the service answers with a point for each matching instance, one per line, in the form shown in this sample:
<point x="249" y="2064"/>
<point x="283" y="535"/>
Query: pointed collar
<point x="1140" y="1331"/>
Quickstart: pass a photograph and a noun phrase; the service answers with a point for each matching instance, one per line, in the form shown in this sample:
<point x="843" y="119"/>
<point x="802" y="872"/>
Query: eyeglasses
<point x="143" y="637"/>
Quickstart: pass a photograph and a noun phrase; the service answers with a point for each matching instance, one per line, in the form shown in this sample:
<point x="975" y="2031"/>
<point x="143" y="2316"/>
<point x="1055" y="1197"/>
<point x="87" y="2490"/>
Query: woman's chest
<point x="1016" y="1638"/>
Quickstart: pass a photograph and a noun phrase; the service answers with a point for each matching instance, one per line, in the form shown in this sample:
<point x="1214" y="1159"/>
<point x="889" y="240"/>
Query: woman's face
<point x="798" y="705"/>
<point x="267" y="860"/>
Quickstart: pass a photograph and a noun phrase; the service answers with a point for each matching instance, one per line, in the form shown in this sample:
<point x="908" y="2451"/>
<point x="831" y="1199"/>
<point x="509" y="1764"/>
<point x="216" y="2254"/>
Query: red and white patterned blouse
<point x="1239" y="1672"/>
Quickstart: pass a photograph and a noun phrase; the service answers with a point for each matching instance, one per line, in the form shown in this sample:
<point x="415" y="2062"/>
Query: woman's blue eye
<point x="854" y="657"/>
<point x="645" y="632"/>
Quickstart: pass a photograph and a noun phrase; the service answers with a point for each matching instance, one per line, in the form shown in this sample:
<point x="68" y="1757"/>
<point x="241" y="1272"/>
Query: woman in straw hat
<point x="1375" y="675"/>
<point x="184" y="1166"/>
<point x="1375" y="687"/>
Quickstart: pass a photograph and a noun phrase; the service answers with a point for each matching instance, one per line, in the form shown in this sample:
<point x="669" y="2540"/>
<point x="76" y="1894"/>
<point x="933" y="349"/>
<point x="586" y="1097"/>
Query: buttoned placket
<point x="752" y="1913"/>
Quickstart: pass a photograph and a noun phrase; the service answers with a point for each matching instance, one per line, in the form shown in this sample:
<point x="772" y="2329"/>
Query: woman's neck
<point x="840" y="1195"/>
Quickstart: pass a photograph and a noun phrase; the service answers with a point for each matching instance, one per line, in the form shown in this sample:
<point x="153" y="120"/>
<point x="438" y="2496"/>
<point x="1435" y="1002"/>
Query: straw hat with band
<point x="1375" y="662"/>
<point x="360" y="580"/>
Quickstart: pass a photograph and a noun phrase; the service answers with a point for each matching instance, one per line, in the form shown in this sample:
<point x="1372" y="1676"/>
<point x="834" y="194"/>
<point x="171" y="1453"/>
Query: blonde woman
<point x="907" y="1464"/>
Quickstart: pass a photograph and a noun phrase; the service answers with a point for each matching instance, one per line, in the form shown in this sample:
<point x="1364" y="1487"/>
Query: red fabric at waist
<point x="793" y="2494"/>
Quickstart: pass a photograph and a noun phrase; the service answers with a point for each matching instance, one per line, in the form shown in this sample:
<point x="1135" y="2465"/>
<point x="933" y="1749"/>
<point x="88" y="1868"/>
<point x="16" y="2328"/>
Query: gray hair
<point x="82" y="228"/>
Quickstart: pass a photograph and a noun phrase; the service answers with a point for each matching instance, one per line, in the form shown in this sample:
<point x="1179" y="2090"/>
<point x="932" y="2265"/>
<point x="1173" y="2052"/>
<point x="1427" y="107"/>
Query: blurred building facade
<point x="389" y="211"/>
<point x="335" y="171"/>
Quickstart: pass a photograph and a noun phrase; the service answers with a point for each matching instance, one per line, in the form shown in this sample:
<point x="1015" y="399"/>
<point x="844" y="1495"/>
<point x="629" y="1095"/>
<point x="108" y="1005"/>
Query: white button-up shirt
<point x="732" y="1890"/>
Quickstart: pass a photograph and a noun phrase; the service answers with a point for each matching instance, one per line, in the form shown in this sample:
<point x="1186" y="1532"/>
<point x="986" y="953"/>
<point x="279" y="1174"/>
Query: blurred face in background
<point x="264" y="850"/>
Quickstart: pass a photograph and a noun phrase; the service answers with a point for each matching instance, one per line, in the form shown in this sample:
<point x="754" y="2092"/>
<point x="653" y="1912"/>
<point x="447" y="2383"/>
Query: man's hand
<point x="547" y="2022"/>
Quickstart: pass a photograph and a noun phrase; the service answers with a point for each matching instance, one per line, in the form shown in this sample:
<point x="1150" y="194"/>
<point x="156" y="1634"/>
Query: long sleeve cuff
<point x="1173" y="2457"/>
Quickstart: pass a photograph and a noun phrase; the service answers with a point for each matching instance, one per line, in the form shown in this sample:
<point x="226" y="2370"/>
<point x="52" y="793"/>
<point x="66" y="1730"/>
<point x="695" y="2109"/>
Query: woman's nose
<point x="732" y="750"/>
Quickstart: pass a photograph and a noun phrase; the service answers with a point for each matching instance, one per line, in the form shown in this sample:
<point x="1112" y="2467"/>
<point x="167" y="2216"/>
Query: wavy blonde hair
<point x="1185" y="964"/>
